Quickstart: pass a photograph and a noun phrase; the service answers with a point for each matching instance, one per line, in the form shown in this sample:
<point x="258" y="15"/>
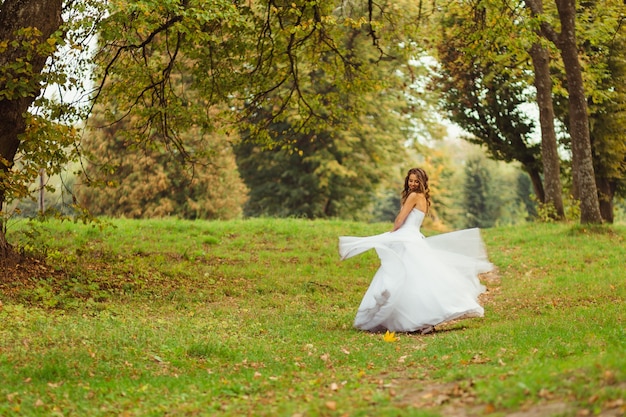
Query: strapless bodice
<point x="414" y="219"/>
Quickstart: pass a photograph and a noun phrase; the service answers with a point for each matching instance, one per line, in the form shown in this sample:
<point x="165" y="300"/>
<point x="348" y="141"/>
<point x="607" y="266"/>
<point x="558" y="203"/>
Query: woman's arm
<point x="404" y="212"/>
<point x="413" y="200"/>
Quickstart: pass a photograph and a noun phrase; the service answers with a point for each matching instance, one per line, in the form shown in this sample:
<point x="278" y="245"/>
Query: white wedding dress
<point x="422" y="282"/>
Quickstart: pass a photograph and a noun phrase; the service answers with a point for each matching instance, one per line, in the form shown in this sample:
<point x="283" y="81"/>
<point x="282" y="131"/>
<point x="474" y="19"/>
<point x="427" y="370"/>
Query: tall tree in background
<point x="151" y="181"/>
<point x="483" y="91"/>
<point x="330" y="177"/>
<point x="331" y="169"/>
<point x="326" y="173"/>
<point x="481" y="203"/>
<point x="486" y="86"/>
<point x="501" y="44"/>
<point x="489" y="105"/>
<point x="607" y="105"/>
<point x="582" y="162"/>
<point x="553" y="188"/>
<point x="524" y="192"/>
<point x="600" y="33"/>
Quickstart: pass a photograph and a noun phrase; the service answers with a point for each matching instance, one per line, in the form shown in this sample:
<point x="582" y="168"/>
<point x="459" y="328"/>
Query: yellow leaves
<point x="356" y="23"/>
<point x="390" y="337"/>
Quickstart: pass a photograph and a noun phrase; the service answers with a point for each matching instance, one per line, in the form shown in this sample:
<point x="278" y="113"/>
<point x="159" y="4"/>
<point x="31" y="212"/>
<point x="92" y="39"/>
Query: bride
<point x="422" y="282"/>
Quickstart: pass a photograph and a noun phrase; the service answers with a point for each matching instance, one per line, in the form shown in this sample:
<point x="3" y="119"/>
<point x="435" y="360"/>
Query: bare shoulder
<point x="415" y="196"/>
<point x="420" y="202"/>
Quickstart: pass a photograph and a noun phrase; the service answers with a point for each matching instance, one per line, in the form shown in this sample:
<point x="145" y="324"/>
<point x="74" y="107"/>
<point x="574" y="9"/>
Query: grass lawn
<point x="254" y="317"/>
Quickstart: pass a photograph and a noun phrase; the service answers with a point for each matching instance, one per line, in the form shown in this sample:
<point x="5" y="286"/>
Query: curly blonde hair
<point x="422" y="187"/>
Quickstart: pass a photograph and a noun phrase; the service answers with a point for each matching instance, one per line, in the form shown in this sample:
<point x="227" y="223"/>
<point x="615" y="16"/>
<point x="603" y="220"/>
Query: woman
<point x="422" y="282"/>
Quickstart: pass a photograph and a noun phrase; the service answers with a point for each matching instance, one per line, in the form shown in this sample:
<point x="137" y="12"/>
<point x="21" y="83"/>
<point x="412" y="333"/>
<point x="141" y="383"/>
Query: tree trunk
<point x="5" y="248"/>
<point x="535" y="178"/>
<point x="45" y="15"/>
<point x="606" y="189"/>
<point x="549" y="153"/>
<point x="582" y="163"/>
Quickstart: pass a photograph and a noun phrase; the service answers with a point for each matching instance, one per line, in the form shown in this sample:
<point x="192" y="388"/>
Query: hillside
<point x="254" y="317"/>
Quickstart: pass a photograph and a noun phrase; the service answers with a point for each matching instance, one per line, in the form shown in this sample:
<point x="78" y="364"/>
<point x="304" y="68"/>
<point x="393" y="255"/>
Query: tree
<point x="607" y="106"/>
<point x="609" y="151"/>
<point x="326" y="173"/>
<point x="481" y="203"/>
<point x="233" y="54"/>
<point x="600" y="31"/>
<point x="523" y="193"/>
<point x="502" y="43"/>
<point x="485" y="90"/>
<point x="582" y="162"/>
<point x="488" y="104"/>
<point x="549" y="149"/>
<point x="330" y="170"/>
<point x="154" y="182"/>
<point x="28" y="35"/>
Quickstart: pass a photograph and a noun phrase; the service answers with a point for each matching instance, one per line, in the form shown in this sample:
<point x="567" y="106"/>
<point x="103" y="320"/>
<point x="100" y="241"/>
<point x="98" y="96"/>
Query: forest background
<point x="312" y="109"/>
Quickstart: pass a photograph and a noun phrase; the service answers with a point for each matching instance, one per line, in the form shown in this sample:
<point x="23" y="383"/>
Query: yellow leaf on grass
<point x="390" y="337"/>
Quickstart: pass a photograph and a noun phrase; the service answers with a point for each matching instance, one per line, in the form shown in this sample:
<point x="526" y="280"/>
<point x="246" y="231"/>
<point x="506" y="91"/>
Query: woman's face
<point x="413" y="182"/>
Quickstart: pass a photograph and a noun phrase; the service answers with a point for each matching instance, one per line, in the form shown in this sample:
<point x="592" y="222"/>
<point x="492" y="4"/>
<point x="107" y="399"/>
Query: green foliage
<point x="483" y="88"/>
<point x="546" y="212"/>
<point x="45" y="144"/>
<point x="330" y="170"/>
<point x="153" y="181"/>
<point x="173" y="69"/>
<point x="482" y="205"/>
<point x="486" y="79"/>
<point x="242" y="55"/>
<point x="349" y="153"/>
<point x="49" y="134"/>
<point x="524" y="193"/>
<point x="608" y="117"/>
<point x="258" y="322"/>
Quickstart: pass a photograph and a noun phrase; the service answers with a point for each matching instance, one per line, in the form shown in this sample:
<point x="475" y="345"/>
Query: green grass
<point x="254" y="317"/>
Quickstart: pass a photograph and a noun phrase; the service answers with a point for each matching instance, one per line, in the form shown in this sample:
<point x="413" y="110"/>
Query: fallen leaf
<point x="615" y="404"/>
<point x="609" y="377"/>
<point x="545" y="393"/>
<point x="390" y="337"/>
<point x="479" y="359"/>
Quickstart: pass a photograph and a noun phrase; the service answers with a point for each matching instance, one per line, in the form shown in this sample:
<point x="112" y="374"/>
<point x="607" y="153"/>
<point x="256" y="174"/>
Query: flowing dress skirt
<point x="421" y="282"/>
